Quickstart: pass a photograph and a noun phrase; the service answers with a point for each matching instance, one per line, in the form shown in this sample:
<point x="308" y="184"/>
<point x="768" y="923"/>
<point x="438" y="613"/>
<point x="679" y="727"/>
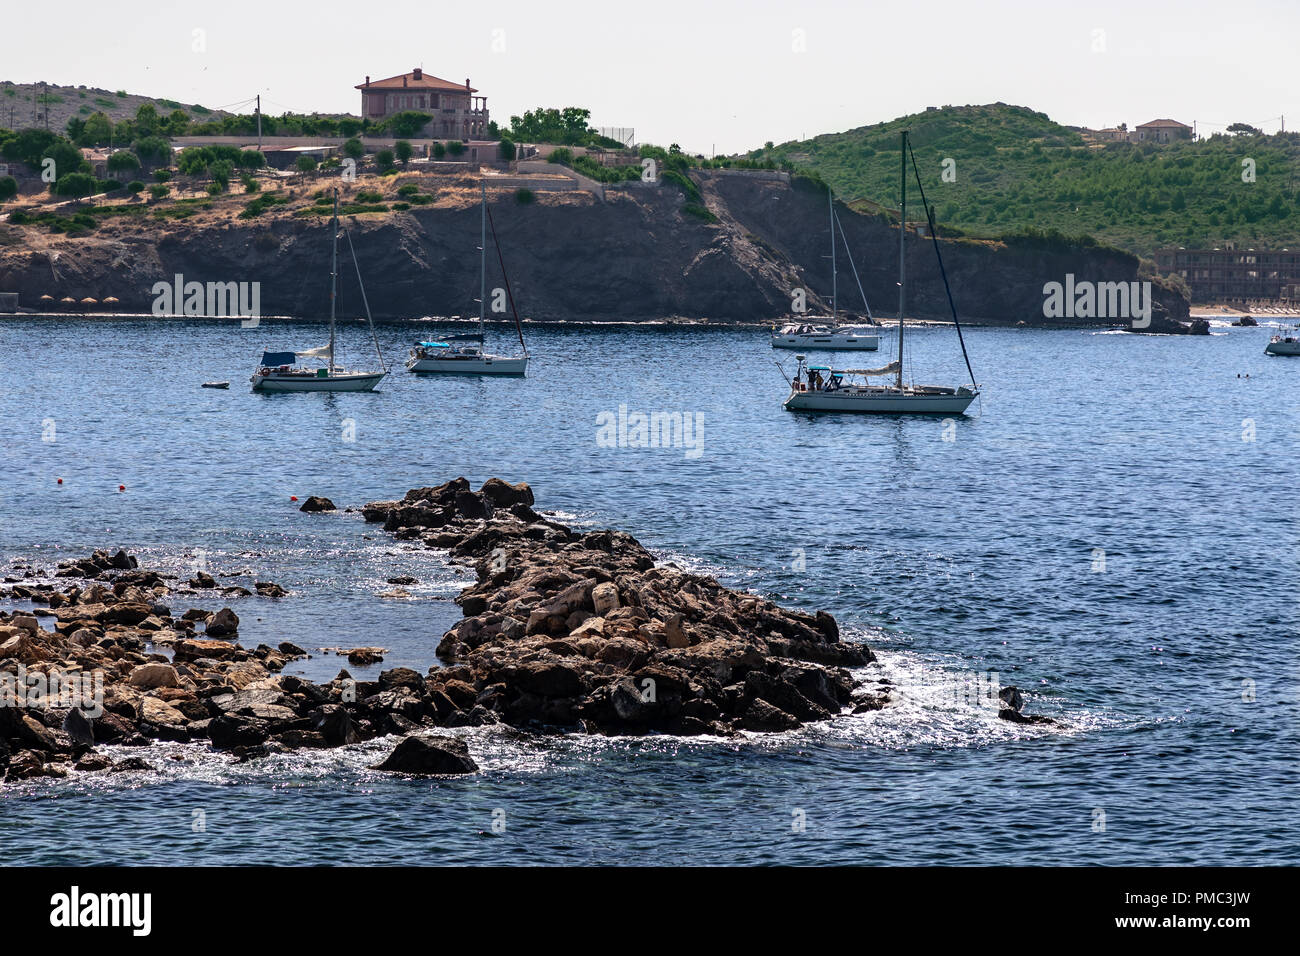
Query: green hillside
<point x="1016" y="169"/>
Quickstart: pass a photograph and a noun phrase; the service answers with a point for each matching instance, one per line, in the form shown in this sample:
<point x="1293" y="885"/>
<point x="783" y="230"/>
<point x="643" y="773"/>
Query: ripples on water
<point x="951" y="558"/>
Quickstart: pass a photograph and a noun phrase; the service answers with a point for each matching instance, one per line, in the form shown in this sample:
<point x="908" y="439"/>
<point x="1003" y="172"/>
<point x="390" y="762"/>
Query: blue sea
<point x="1111" y="529"/>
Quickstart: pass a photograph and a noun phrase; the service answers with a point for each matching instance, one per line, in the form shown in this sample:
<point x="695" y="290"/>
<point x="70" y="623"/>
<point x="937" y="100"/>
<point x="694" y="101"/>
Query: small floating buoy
<point x="293" y="497"/>
<point x="60" y="480"/>
<point x="121" y="487"/>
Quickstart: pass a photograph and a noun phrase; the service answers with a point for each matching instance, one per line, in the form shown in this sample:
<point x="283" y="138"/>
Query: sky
<point x="715" y="76"/>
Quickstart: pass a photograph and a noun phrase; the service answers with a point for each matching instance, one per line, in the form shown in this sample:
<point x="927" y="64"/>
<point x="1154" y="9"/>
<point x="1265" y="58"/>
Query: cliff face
<point x="634" y="257"/>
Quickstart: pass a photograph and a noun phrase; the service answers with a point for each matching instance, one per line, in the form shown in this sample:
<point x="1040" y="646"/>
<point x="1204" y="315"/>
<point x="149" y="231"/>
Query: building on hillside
<point x="457" y="112"/>
<point x="1115" y="134"/>
<point x="1232" y="275"/>
<point x="1161" y="131"/>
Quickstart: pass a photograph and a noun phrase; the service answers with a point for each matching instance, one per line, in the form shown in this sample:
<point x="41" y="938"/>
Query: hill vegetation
<point x="1015" y="170"/>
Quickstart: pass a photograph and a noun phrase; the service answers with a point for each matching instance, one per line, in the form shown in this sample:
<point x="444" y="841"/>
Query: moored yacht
<point x="1283" y="345"/>
<point x="822" y="389"/>
<point x="458" y="359"/>
<point x="830" y="335"/>
<point x="280" y="371"/>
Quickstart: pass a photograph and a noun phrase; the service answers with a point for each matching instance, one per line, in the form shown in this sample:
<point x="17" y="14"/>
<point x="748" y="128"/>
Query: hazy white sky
<point x="729" y="74"/>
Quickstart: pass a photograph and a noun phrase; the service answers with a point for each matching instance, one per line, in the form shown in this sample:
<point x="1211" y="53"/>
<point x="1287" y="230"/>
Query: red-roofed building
<point x="1161" y="131"/>
<point x="457" y="113"/>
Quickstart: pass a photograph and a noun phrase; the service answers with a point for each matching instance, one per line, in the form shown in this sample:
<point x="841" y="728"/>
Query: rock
<point x="223" y="624"/>
<point x="93" y="762"/>
<point x="316" y="503"/>
<point x="202" y="581"/>
<point x="503" y="494"/>
<point x="604" y="598"/>
<point x="429" y="755"/>
<point x="78" y="728"/>
<point x="335" y="725"/>
<point x="1012" y="697"/>
<point x="230" y="731"/>
<point x="365" y="656"/>
<point x="293" y="650"/>
<point x="154" y="675"/>
<point x="270" y="589"/>
<point x="403" y="580"/>
<point x="131" y="763"/>
<point x="155" y="711"/>
<point x="674" y="633"/>
<point x="763" y="717"/>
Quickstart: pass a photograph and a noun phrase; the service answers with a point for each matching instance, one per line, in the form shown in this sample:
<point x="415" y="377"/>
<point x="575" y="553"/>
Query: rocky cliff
<point x="638" y="255"/>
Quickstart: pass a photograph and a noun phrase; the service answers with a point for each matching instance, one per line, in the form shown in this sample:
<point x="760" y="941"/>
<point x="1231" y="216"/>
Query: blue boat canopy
<point x="434" y="345"/>
<point x="273" y="359"/>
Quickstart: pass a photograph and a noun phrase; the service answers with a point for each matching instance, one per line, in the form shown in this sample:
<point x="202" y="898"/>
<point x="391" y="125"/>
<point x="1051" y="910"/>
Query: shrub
<point x="8" y="188"/>
<point x="384" y="158"/>
<point x="159" y="191"/>
<point x="439" y="151"/>
<point x="75" y="185"/>
<point x="369" y="195"/>
<point x="401" y="206"/>
<point x="455" y="147"/>
<point x="354" y="148"/>
<point x="408" y="189"/>
<point x="162" y="175"/>
<point x="123" y="161"/>
<point x="134" y="186"/>
<point x="524" y="196"/>
<point x="507" y="150"/>
<point x="404" y="151"/>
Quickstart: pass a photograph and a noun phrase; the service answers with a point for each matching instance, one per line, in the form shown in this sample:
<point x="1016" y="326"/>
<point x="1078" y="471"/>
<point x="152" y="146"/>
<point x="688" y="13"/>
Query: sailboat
<point x="823" y="389"/>
<point x="280" y="371"/>
<point x="804" y="335"/>
<point x="439" y="356"/>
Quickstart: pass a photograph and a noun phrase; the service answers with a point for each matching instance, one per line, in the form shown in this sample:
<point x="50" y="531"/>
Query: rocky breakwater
<point x="586" y="631"/>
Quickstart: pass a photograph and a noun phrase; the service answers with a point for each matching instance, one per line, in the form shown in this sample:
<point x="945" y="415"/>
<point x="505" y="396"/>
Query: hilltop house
<point x="457" y="113"/>
<point x="1161" y="131"/>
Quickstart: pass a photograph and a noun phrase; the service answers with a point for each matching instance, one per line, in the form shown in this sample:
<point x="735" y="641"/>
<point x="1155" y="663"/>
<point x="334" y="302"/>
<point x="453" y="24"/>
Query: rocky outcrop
<point x="587" y="631"/>
<point x="429" y="755"/>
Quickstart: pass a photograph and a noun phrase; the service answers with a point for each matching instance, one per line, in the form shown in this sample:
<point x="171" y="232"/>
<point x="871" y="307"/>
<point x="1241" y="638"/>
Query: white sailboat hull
<point x="470" y="365"/>
<point x="831" y="342"/>
<point x="921" y="400"/>
<point x="338" y="382"/>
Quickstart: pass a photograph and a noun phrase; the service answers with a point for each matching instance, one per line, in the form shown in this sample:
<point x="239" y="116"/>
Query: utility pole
<point x="259" y="122"/>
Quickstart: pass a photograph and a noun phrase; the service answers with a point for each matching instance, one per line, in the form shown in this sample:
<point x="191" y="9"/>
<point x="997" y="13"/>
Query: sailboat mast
<point x="902" y="251"/>
<point x="835" y="292"/>
<point x="334" y="274"/>
<point x="482" y="262"/>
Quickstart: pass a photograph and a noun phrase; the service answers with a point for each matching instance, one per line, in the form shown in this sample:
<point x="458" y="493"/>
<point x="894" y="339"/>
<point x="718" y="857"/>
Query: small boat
<point x="216" y="385"/>
<point x="449" y="358"/>
<point x="822" y="389"/>
<point x="280" y="372"/>
<point x="1283" y="345"/>
<point x="837" y="338"/>
<point x="831" y="335"/>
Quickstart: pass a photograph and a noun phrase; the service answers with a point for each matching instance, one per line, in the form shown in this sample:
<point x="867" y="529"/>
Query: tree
<point x="506" y="149"/>
<point x="123" y="161"/>
<point x="134" y="186"/>
<point x="404" y="151"/>
<point x="97" y="131"/>
<point x="354" y="148"/>
<point x="146" y="120"/>
<point x="162" y="175"/>
<point x="8" y="188"/>
<point x="305" y="165"/>
<point x="153" y="150"/>
<point x="177" y="123"/>
<point x="455" y="147"/>
<point x="76" y="126"/>
<point x="74" y="185"/>
<point x="439" y="151"/>
<point x="220" y="172"/>
<point x="67" y="158"/>
<point x="384" y="158"/>
<point x="1244" y="129"/>
<point x="252" y="159"/>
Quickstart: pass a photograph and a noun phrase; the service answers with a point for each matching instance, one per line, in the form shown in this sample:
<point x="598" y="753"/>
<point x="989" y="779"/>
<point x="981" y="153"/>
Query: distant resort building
<point x="1162" y="131"/>
<point x="1231" y="275"/>
<point x="457" y="112"/>
<point x="1156" y="131"/>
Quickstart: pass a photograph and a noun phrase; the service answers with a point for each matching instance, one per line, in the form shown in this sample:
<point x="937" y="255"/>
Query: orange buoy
<point x="121" y="487"/>
<point x="293" y="497"/>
